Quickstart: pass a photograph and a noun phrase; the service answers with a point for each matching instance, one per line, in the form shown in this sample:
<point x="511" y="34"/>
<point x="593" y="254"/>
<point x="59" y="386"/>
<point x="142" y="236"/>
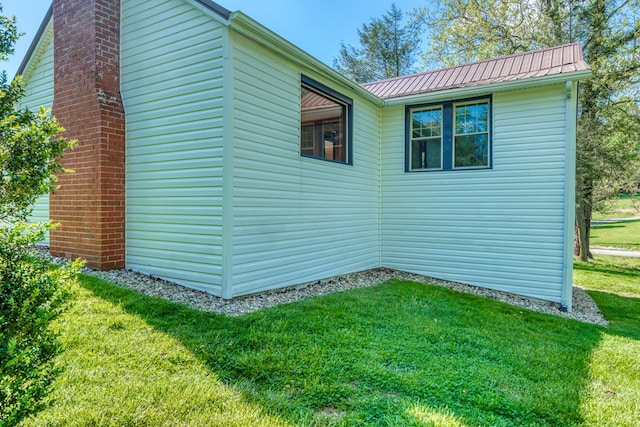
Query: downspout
<point x="123" y="100"/>
<point x="380" y="163"/>
<point x="571" y="111"/>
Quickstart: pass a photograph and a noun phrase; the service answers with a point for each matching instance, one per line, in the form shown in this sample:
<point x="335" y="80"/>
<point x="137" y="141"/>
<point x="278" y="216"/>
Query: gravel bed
<point x="584" y="308"/>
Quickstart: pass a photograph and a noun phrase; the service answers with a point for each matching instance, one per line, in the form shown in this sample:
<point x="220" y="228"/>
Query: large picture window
<point x="449" y="136"/>
<point x="325" y="128"/>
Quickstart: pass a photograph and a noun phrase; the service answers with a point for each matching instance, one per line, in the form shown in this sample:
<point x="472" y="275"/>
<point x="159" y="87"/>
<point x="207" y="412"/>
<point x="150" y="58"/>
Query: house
<point x="216" y="154"/>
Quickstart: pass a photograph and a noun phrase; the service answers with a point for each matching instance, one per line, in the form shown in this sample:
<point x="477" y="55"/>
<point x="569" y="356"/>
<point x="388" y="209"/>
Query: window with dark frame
<point x="471" y="135"/>
<point x="426" y="139"/>
<point x="449" y="136"/>
<point x="325" y="123"/>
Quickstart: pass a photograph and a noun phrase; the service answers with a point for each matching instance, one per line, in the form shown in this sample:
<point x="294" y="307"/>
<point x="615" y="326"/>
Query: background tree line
<point x="453" y="32"/>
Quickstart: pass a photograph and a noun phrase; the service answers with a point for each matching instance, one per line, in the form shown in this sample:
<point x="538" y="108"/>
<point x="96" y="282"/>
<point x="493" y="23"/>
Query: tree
<point x="32" y="293"/>
<point x="608" y="139"/>
<point x="463" y="31"/>
<point x="388" y="48"/>
<point x="608" y="132"/>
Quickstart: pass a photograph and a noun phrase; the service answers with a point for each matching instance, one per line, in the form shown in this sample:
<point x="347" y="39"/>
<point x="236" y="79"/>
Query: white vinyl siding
<point x="38" y="84"/>
<point x="499" y="228"/>
<point x="220" y="198"/>
<point x="296" y="219"/>
<point x="172" y="89"/>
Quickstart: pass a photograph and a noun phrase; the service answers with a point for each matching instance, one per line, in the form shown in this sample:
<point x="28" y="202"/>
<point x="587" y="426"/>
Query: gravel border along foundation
<point x="584" y="308"/>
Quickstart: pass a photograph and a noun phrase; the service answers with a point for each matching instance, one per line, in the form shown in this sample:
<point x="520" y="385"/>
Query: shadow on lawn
<point x="615" y="270"/>
<point x="399" y="353"/>
<point x="610" y="226"/>
<point x="623" y="313"/>
<point x="606" y="226"/>
<point x="610" y="232"/>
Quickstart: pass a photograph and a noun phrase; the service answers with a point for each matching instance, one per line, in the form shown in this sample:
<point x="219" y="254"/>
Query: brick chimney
<point x="90" y="203"/>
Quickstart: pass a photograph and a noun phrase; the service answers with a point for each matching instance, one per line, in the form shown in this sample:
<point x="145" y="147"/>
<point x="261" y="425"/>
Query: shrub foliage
<point x="29" y="153"/>
<point x="32" y="294"/>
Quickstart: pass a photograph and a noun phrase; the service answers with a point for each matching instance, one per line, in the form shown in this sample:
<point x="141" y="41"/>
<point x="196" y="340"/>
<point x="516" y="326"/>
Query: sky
<point x="316" y="26"/>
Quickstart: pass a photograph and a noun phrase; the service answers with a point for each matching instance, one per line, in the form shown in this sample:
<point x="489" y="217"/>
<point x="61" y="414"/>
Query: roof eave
<point x="208" y="4"/>
<point x="215" y="7"/>
<point x="248" y="27"/>
<point x="483" y="89"/>
<point x="35" y="42"/>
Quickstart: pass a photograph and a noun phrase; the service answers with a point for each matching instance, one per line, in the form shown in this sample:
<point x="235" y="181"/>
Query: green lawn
<point x="618" y="235"/>
<point x="614" y="389"/>
<point x="609" y="274"/>
<point x="625" y="206"/>
<point x="399" y="353"/>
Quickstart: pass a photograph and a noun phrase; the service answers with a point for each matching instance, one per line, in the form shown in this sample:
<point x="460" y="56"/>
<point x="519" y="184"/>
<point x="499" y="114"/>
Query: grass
<point x="614" y="389"/>
<point x="617" y="235"/>
<point x="625" y="206"/>
<point x="396" y="354"/>
<point x="619" y="275"/>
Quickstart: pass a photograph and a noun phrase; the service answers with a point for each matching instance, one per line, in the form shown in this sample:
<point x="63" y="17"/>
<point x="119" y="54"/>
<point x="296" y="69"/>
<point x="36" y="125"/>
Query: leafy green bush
<point x="30" y="153"/>
<point x="32" y="294"/>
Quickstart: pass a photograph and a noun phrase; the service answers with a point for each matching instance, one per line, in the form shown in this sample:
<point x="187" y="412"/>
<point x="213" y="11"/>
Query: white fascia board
<point x="214" y="10"/>
<point x="214" y="7"/>
<point x="44" y="33"/>
<point x="252" y="29"/>
<point x="472" y="91"/>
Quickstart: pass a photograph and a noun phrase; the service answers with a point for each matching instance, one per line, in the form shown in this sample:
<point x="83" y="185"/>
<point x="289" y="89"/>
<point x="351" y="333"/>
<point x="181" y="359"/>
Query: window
<point x="325" y="129"/>
<point x="448" y="136"/>
<point x="426" y="139"/>
<point x="471" y="135"/>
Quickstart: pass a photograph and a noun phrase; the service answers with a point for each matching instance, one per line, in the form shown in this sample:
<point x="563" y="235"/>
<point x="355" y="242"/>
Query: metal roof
<point x="540" y="63"/>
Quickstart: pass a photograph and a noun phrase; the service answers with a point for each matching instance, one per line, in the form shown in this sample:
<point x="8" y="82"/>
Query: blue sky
<point x="316" y="26"/>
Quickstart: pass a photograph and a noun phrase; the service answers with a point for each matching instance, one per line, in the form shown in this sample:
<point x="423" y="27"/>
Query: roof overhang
<point x="35" y="42"/>
<point x="207" y="4"/>
<point x="255" y="31"/>
<point x="484" y="89"/>
<point x="252" y="29"/>
<point x="215" y="7"/>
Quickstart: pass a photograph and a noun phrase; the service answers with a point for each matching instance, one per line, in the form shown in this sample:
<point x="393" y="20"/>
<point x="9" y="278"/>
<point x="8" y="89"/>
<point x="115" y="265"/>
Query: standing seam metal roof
<point x="545" y="62"/>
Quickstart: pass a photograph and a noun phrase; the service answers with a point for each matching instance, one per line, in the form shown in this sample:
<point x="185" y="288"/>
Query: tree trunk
<point x="583" y="230"/>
